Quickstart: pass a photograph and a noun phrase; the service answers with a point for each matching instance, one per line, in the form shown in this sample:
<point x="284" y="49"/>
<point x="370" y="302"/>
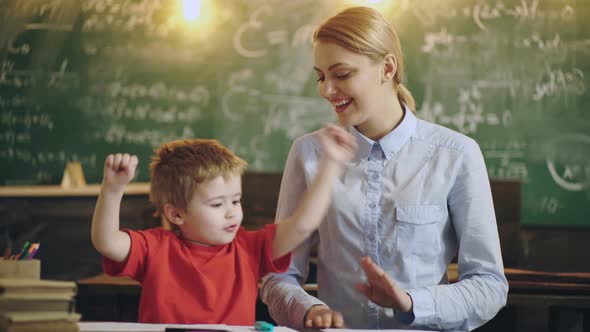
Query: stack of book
<point x="28" y="304"/>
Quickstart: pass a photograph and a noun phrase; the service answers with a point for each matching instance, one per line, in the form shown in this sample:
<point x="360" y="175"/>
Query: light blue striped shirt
<point x="411" y="201"/>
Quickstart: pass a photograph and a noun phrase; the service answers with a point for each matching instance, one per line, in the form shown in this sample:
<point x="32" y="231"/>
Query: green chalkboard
<point x="81" y="79"/>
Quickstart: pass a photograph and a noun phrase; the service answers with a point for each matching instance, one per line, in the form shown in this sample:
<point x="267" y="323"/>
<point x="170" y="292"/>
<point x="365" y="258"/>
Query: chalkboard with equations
<point x="81" y="79"/>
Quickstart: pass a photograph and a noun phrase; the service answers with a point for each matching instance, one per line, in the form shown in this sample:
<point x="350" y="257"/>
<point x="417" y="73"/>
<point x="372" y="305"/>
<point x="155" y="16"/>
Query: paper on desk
<point x="347" y="330"/>
<point x="139" y="327"/>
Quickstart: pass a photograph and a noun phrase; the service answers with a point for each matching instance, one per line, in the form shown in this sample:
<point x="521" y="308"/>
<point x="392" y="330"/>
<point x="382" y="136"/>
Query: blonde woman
<point x="417" y="195"/>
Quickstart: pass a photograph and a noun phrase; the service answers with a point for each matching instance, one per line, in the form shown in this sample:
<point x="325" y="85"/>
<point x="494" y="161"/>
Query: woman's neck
<point x="384" y="121"/>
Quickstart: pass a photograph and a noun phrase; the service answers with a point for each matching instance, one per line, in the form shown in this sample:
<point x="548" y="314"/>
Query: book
<point x="28" y="304"/>
<point x="45" y="321"/>
<point x="54" y="326"/>
<point x="16" y="303"/>
<point x="36" y="288"/>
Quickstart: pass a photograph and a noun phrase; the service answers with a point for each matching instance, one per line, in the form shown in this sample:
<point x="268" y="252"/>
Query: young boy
<point x="207" y="271"/>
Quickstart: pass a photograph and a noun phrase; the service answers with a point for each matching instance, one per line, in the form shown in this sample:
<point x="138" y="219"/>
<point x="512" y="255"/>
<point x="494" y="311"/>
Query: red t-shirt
<point x="185" y="283"/>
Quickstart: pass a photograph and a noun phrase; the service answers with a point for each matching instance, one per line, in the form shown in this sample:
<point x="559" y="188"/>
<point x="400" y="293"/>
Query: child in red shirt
<point x="207" y="269"/>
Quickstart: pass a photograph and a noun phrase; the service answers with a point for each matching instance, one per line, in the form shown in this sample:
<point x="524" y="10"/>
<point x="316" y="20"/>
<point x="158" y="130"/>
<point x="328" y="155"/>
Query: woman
<point x="416" y="195"/>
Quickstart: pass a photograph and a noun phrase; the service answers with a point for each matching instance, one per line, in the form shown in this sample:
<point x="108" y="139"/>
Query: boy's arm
<point x="338" y="148"/>
<point x="112" y="243"/>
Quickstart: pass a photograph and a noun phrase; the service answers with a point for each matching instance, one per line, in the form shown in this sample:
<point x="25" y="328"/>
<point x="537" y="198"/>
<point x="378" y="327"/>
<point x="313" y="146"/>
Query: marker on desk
<point x="23" y="253"/>
<point x="33" y="250"/>
<point x="7" y="243"/>
<point x="7" y="253"/>
<point x="263" y="326"/>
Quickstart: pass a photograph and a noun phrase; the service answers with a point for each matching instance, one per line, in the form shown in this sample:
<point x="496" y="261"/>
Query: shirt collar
<point x="364" y="145"/>
<point x="392" y="142"/>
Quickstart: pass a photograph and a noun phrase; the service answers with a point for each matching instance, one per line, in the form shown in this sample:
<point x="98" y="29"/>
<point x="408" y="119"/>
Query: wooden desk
<point x="536" y="300"/>
<point x="106" y="298"/>
<point x="107" y="283"/>
<point x="541" y="301"/>
<point x="137" y="327"/>
<point x="574" y="283"/>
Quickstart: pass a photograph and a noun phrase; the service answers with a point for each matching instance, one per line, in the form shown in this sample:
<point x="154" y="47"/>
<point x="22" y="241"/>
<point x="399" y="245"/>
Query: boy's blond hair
<point x="177" y="168"/>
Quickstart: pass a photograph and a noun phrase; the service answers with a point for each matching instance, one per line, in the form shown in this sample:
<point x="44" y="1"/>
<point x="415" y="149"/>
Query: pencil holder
<point x="29" y="268"/>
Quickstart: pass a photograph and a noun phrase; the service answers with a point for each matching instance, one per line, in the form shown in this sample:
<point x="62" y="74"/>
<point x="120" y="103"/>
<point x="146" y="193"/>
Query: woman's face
<point x="351" y="82"/>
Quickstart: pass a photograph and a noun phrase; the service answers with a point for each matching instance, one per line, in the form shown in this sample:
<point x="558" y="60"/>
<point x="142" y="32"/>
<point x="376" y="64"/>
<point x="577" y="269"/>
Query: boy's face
<point x="214" y="213"/>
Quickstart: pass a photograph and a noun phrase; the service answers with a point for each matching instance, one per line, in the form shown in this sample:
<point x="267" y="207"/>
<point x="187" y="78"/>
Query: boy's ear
<point x="389" y="68"/>
<point x="173" y="214"/>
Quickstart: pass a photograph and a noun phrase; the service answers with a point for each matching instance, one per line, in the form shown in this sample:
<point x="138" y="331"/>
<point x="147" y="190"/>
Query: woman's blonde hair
<point x="364" y="30"/>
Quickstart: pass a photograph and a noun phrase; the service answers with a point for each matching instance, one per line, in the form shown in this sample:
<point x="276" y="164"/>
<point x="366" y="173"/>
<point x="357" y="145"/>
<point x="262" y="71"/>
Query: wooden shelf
<point x="141" y="188"/>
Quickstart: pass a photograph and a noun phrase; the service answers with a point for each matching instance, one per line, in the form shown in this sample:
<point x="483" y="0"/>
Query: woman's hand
<point x="381" y="289"/>
<point x="320" y="316"/>
<point x="337" y="143"/>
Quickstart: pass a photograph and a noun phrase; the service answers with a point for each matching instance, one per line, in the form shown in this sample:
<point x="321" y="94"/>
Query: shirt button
<point x="375" y="176"/>
<point x="371" y="237"/>
<point x="372" y="205"/>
